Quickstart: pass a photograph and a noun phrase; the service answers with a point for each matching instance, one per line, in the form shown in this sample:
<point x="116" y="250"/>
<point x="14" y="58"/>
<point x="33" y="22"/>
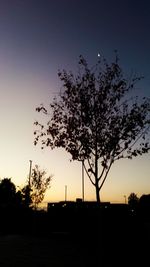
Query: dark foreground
<point x="62" y="249"/>
<point x="91" y="241"/>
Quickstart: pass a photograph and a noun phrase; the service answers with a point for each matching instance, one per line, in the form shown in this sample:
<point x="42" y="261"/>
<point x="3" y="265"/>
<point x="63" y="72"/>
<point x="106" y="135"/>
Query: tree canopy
<point x="96" y="118"/>
<point x="133" y="200"/>
<point x="9" y="196"/>
<point x="39" y="183"/>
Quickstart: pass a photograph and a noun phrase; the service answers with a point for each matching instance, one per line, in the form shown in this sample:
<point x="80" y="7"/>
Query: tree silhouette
<point x="96" y="119"/>
<point x="9" y="197"/>
<point x="133" y="201"/>
<point x="39" y="183"/>
<point x="7" y="192"/>
<point x="26" y="196"/>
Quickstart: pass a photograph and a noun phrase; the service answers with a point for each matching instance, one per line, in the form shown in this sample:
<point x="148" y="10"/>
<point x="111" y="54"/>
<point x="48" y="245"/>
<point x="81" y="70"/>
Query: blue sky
<point x="37" y="39"/>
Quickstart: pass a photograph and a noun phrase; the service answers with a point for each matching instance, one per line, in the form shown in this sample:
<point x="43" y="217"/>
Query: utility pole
<point x="65" y="193"/>
<point x="30" y="172"/>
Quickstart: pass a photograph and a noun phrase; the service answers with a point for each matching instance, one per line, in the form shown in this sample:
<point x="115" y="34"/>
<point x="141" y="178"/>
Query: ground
<point x="63" y="249"/>
<point x="114" y="241"/>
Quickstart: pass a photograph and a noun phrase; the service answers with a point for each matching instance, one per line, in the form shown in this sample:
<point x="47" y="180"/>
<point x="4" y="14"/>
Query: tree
<point x="39" y="183"/>
<point x="133" y="201"/>
<point x="96" y="119"/>
<point x="9" y="197"/>
<point x="26" y="196"/>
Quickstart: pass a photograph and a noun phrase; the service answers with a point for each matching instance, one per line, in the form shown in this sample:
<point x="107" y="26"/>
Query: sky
<point x="37" y="38"/>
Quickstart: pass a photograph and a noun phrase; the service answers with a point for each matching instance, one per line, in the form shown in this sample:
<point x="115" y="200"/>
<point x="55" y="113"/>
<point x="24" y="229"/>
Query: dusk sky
<point x="38" y="37"/>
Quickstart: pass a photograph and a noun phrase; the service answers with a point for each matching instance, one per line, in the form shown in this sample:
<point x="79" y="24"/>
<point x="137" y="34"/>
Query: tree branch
<point x="91" y="168"/>
<point x="138" y="138"/>
<point x="102" y="173"/>
<point x="106" y="175"/>
<point x="88" y="173"/>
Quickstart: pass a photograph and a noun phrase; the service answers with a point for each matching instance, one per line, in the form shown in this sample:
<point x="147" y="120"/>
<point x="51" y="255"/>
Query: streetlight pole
<point x="30" y="172"/>
<point x="65" y="193"/>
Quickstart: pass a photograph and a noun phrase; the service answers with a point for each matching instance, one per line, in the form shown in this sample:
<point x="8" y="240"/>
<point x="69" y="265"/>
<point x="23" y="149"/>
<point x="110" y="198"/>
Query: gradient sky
<point x="36" y="39"/>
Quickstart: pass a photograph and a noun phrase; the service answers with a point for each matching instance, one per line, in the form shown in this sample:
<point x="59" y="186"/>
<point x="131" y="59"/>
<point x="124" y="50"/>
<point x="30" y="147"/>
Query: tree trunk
<point x="97" y="192"/>
<point x="96" y="179"/>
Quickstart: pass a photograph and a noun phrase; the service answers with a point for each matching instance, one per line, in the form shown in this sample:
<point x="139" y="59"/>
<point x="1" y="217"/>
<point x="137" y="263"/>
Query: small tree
<point x="26" y="196"/>
<point x="39" y="183"/>
<point x="96" y="119"/>
<point x="133" y="201"/>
